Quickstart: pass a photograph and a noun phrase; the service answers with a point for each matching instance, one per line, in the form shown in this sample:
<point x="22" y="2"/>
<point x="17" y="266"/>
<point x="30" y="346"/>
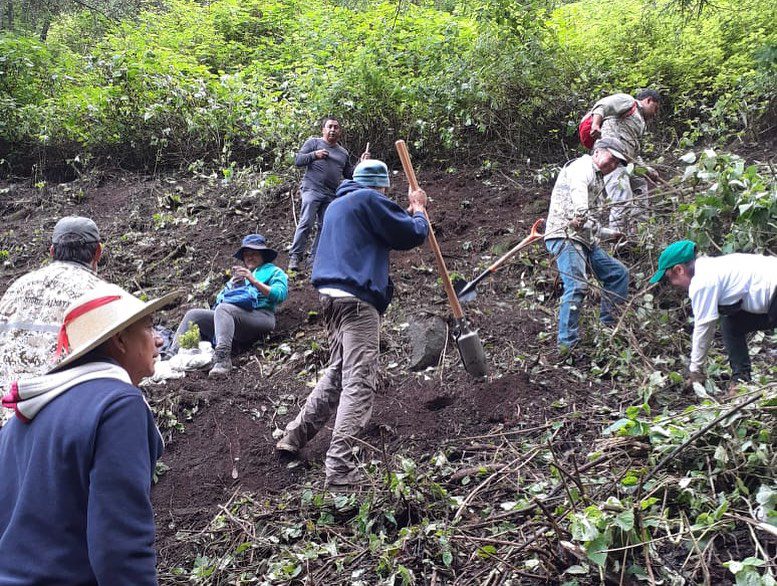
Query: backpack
<point x="584" y="128"/>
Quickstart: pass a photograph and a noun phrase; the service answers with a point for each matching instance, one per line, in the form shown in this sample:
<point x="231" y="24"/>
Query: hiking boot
<point x="222" y="365"/>
<point x="293" y="263"/>
<point x="351" y="480"/>
<point x="286" y="449"/>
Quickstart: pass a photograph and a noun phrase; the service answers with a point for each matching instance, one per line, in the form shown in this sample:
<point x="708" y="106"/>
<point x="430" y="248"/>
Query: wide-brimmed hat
<point x="677" y="253"/>
<point x="97" y="315"/>
<point x="615" y="146"/>
<point x="256" y="242"/>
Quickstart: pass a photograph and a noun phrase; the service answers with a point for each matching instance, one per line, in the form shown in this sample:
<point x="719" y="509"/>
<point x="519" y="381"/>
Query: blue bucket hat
<point x="256" y="242"/>
<point x="371" y="173"/>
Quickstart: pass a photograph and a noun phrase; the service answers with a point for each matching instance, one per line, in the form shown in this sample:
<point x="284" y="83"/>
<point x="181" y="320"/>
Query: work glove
<point x="694" y="377"/>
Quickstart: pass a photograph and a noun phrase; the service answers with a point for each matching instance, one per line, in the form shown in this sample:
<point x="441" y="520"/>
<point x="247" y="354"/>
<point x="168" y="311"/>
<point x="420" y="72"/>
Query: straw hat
<point x="99" y="314"/>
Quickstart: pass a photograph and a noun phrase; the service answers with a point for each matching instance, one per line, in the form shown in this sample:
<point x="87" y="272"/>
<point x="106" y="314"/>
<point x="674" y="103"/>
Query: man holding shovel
<point x="351" y="272"/>
<point x="573" y="233"/>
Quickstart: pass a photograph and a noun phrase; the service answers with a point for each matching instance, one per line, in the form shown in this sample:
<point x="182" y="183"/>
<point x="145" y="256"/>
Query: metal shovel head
<point x="463" y="291"/>
<point x="472" y="354"/>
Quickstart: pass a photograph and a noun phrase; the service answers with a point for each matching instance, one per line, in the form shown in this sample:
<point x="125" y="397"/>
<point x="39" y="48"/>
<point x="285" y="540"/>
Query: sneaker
<point x="293" y="263"/>
<point x="735" y="385"/>
<point x="222" y="366"/>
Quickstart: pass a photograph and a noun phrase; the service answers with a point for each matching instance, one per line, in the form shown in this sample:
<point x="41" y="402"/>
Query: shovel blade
<point x="464" y="290"/>
<point x="472" y="354"/>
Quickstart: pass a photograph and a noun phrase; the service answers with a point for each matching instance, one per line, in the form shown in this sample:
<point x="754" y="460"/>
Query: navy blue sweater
<point x="361" y="226"/>
<point x="75" y="487"/>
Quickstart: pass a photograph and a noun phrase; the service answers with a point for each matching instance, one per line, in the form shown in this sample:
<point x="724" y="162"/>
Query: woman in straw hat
<point x="245" y="308"/>
<point x="77" y="460"/>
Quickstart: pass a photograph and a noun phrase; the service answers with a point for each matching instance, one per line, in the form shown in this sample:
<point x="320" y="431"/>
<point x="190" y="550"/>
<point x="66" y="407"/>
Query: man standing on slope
<point x="327" y="163"/>
<point x="351" y="273"/>
<point x="624" y="117"/>
<point x="573" y="234"/>
<point x="740" y="289"/>
<point x="32" y="308"/>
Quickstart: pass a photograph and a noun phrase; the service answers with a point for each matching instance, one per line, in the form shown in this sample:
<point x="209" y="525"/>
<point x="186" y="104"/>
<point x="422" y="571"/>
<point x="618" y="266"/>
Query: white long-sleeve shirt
<point x="726" y="280"/>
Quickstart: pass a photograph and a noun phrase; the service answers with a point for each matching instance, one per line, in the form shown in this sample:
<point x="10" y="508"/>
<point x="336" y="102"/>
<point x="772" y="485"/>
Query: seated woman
<point x="245" y="307"/>
<point x="77" y="460"/>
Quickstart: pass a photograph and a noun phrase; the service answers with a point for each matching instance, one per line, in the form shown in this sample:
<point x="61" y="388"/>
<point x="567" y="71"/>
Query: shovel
<point x="466" y="291"/>
<point x="467" y="341"/>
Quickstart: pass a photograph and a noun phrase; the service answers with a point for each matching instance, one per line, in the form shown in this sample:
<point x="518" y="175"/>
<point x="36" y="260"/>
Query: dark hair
<point x="326" y="119"/>
<point x="76" y="252"/>
<point x="649" y="94"/>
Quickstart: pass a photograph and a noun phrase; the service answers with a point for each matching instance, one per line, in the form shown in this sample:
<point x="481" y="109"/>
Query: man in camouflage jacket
<point x="573" y="233"/>
<point x="32" y="308"/>
<point x="625" y="118"/>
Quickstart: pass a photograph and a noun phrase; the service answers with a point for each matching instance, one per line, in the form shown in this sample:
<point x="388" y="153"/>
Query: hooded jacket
<point x="361" y="226"/>
<point x="76" y="465"/>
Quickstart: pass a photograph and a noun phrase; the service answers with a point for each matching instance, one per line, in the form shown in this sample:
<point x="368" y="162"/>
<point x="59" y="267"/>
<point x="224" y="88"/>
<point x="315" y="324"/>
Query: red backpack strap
<point x="630" y="111"/>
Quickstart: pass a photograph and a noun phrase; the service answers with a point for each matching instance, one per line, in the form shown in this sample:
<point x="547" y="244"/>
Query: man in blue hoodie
<point x="351" y="272"/>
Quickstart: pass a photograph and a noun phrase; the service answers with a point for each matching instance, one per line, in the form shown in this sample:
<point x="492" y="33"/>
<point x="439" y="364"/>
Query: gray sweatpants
<point x="627" y="194"/>
<point x="228" y="324"/>
<point x="348" y="385"/>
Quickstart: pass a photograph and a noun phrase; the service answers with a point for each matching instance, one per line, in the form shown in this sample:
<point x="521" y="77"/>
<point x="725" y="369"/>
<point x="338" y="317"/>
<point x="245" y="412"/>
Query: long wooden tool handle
<point x="407" y="165"/>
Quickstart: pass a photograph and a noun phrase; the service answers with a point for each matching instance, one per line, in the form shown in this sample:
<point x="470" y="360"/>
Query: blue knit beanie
<point x="371" y="173"/>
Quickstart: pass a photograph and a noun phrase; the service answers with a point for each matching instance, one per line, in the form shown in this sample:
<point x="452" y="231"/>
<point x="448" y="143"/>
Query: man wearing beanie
<point x="351" y="272"/>
<point x="738" y="289"/>
<point x="32" y="308"/>
<point x="573" y="233"/>
<point x="326" y="163"/>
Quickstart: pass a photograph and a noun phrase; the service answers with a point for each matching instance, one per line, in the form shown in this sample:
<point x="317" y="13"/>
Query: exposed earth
<point x="169" y="233"/>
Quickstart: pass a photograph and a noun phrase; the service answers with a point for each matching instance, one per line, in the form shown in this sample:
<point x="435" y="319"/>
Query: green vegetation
<point x="239" y="81"/>
<point x="190" y="339"/>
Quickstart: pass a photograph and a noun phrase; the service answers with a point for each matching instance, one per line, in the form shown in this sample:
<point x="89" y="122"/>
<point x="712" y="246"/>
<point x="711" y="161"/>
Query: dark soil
<point x="163" y="234"/>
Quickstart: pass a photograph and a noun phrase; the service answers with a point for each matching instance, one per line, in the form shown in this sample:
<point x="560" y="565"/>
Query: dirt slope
<point x="167" y="233"/>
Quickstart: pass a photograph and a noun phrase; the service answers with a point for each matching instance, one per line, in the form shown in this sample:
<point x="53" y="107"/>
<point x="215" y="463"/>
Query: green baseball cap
<point x="675" y="254"/>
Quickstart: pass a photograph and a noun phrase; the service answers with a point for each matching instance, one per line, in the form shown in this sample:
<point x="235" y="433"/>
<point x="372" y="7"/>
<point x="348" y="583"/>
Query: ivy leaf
<point x="625" y="520"/>
<point x="596" y="550"/>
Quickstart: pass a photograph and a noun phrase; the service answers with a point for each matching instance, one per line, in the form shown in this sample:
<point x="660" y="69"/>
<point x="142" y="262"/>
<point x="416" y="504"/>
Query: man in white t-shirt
<point x="740" y="289"/>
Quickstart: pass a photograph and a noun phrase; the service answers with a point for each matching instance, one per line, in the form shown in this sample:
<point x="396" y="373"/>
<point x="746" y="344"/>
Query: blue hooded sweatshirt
<point x="361" y="226"/>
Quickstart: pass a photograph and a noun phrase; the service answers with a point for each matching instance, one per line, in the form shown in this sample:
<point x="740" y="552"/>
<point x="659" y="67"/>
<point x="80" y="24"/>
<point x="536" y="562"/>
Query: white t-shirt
<point x="725" y="280"/>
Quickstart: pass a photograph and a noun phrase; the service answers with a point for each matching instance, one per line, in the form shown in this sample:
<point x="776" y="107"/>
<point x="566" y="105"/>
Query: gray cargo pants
<point x="228" y="324"/>
<point x="353" y="329"/>
<point x="627" y="194"/>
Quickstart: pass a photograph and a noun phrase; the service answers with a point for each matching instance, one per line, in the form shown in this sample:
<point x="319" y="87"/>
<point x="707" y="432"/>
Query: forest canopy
<point x="245" y="80"/>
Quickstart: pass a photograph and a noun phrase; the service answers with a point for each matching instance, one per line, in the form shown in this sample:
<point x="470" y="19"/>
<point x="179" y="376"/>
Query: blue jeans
<point x="572" y="260"/>
<point x="314" y="204"/>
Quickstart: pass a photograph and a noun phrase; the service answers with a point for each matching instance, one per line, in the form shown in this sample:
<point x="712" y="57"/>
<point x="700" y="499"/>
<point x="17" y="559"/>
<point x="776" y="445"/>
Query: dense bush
<point x="240" y="80"/>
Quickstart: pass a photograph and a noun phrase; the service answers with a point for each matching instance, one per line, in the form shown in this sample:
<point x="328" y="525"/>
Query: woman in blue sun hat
<point x="245" y="308"/>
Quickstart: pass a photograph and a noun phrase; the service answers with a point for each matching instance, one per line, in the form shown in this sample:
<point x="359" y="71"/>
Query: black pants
<point x="735" y="328"/>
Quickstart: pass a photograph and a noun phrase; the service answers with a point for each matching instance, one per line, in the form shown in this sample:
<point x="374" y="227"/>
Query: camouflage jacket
<point x="31" y="311"/>
<point x="628" y="129"/>
<point x="578" y="192"/>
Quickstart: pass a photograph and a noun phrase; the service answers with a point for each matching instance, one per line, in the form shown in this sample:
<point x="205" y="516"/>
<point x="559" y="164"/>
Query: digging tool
<point x="467" y="341"/>
<point x="466" y="291"/>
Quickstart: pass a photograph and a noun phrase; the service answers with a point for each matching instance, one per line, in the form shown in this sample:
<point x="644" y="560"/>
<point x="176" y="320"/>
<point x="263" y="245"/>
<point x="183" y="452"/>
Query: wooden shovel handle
<point x="407" y="166"/>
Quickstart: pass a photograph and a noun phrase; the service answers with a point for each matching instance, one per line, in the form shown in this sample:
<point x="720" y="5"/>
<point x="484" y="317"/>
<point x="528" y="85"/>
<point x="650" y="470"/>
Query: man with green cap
<point x="740" y="289"/>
